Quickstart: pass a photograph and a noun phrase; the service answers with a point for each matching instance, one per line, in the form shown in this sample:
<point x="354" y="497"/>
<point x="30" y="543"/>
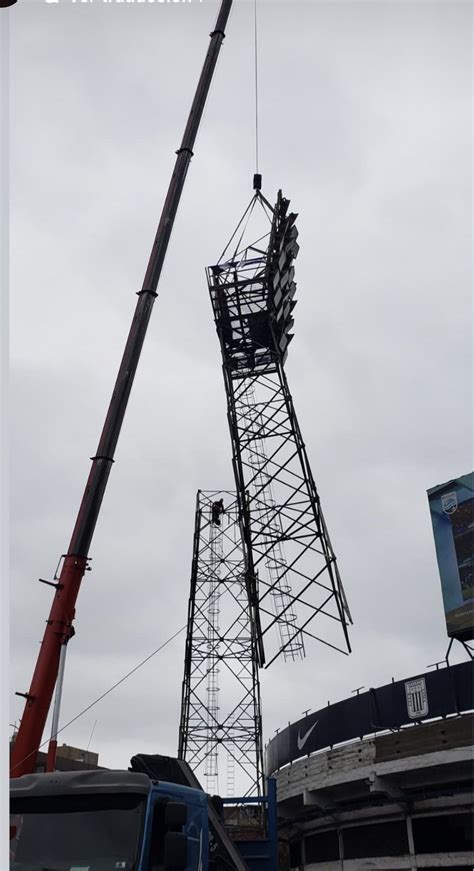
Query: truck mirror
<point x="176" y="814"/>
<point x="176" y="851"/>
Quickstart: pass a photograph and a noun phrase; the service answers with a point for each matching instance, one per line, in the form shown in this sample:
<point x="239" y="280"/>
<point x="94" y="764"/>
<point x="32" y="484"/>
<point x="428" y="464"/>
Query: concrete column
<point x="341" y="848"/>
<point x="411" y="844"/>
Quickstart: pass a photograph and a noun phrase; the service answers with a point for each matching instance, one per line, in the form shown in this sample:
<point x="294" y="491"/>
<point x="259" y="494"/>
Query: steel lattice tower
<point x="291" y="571"/>
<point x="272" y="564"/>
<point x="269" y="521"/>
<point x="221" y="724"/>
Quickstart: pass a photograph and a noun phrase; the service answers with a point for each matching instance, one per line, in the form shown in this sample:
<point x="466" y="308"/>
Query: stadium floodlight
<point x="283" y="249"/>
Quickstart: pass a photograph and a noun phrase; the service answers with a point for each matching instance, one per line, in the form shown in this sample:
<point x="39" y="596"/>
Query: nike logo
<point x="301" y="741"/>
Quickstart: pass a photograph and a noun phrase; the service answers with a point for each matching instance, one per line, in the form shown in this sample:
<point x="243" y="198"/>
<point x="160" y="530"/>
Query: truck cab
<point x="153" y="817"/>
<point x="106" y="821"/>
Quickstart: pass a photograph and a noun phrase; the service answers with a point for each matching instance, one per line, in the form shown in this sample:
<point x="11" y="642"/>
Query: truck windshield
<point x="71" y="833"/>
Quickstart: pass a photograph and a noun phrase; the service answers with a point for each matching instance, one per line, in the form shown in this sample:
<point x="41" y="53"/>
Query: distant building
<point x="67" y="759"/>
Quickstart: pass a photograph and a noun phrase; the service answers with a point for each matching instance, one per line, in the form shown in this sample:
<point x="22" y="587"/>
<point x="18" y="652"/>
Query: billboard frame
<point x="451" y="508"/>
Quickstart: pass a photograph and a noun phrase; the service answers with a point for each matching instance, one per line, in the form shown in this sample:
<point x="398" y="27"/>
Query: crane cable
<point x="256" y="85"/>
<point x="106" y="693"/>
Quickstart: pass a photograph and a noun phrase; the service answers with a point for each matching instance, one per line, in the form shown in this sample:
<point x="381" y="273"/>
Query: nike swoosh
<point x="301" y="741"/>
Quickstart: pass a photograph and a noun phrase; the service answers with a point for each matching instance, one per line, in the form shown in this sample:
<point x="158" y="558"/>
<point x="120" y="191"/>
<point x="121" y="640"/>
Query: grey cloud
<point x="364" y="123"/>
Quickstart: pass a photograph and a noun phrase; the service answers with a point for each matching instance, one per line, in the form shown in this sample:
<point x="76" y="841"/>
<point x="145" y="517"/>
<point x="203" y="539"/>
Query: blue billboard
<point x="451" y="506"/>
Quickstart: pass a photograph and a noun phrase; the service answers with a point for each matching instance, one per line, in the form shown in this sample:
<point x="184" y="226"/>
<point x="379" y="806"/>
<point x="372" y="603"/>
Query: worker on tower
<point x="217" y="508"/>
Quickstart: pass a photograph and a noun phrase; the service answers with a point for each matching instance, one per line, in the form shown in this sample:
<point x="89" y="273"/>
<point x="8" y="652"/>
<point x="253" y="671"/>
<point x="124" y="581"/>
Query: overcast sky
<point x="365" y="125"/>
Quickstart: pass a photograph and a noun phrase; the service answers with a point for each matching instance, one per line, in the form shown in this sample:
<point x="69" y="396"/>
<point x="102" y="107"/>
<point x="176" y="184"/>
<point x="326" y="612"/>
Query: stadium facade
<point x="382" y="780"/>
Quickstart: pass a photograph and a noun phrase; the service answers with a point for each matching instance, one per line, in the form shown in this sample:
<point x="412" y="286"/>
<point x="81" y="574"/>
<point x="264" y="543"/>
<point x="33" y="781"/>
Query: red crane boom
<point x="59" y="624"/>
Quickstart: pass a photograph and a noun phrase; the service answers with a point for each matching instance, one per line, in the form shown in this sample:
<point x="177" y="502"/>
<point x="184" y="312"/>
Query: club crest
<point x="417" y="698"/>
<point x="449" y="502"/>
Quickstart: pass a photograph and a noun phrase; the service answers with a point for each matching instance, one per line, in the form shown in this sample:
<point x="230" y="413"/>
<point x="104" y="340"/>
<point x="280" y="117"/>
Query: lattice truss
<point x="292" y="574"/>
<point x="220" y="728"/>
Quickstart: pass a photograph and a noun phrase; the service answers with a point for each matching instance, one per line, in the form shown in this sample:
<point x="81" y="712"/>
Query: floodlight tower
<point x="292" y="576"/>
<point x="272" y="565"/>
<point x="220" y="706"/>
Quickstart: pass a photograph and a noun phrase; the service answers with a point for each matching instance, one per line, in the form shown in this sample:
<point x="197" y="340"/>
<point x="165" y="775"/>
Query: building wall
<point x="67" y="759"/>
<point x="66" y="752"/>
<point x="396" y="801"/>
<point x="437" y="841"/>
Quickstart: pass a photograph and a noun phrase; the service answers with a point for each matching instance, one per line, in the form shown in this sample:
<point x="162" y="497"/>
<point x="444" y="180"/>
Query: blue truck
<point x="136" y="820"/>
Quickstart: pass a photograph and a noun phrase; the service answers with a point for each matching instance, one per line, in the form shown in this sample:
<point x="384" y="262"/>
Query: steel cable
<point x="256" y="85"/>
<point x="106" y="693"/>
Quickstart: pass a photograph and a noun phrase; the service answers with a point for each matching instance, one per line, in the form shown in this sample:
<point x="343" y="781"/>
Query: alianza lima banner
<point x="451" y="507"/>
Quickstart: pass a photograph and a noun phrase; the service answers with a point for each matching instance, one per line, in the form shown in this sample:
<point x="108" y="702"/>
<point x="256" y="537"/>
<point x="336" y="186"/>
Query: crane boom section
<point x="59" y="623"/>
